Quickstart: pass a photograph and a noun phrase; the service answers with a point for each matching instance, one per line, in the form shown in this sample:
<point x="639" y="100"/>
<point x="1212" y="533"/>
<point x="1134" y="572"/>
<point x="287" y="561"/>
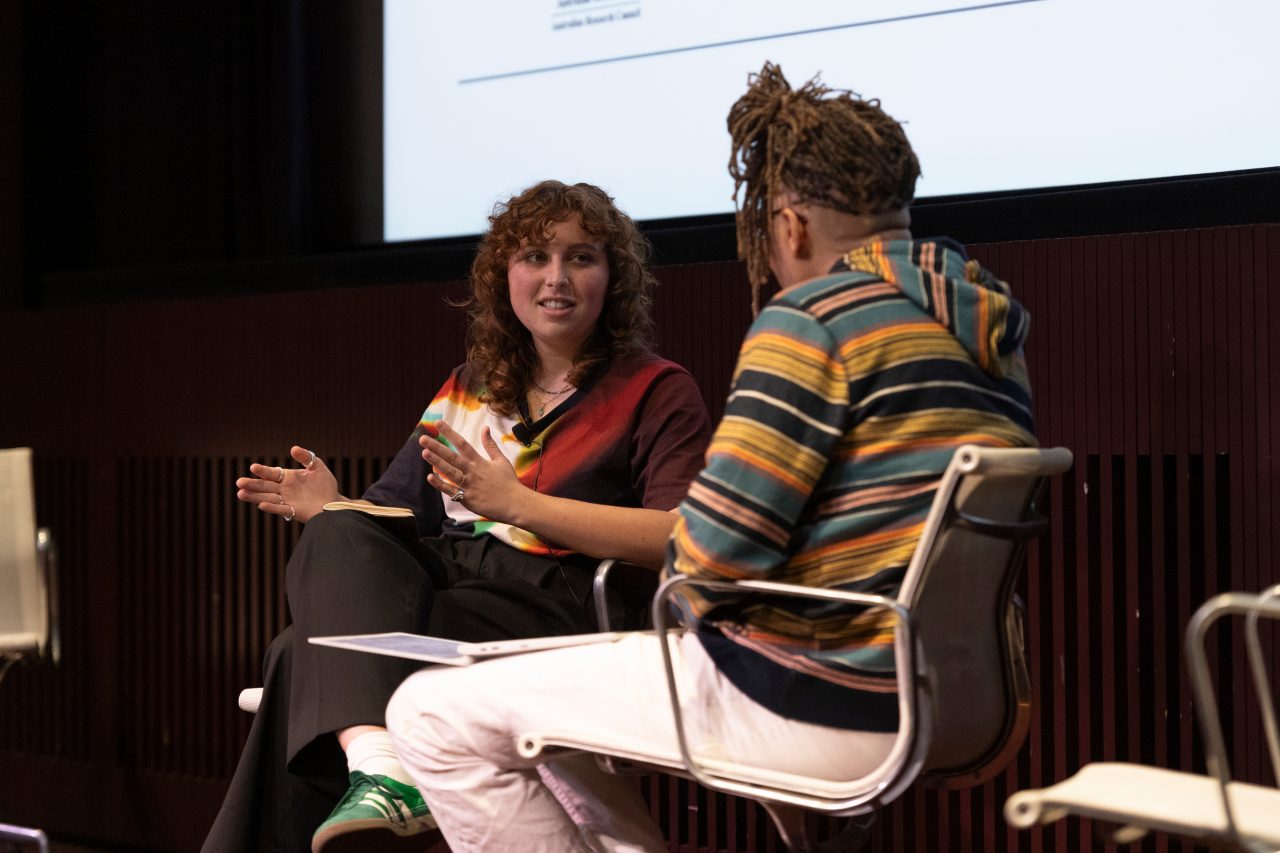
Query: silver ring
<point x="280" y="497"/>
<point x="462" y="482"/>
<point x="457" y="496"/>
<point x="281" y="479"/>
<point x="312" y="460"/>
<point x="292" y="514"/>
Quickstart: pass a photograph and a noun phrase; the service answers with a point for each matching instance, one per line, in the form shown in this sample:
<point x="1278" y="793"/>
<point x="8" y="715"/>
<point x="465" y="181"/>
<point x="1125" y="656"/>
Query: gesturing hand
<point x="485" y="483"/>
<point x="290" y="493"/>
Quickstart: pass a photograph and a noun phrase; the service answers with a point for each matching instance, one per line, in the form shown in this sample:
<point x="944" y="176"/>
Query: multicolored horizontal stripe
<point x="850" y="396"/>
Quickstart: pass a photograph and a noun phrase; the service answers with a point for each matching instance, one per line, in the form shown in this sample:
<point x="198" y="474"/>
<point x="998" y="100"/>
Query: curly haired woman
<point x="562" y="440"/>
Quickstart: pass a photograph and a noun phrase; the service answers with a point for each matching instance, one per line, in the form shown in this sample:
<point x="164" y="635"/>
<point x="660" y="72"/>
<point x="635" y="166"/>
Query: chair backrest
<point x="966" y="694"/>
<point x="25" y="624"/>
<point x="975" y="692"/>
<point x="1265" y="604"/>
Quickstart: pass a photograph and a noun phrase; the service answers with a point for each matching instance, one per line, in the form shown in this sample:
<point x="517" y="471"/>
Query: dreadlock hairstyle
<point x="828" y="146"/>
<point x="499" y="347"/>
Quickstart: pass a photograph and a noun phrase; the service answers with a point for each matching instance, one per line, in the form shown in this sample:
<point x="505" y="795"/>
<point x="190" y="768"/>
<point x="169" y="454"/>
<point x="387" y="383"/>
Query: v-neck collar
<point x="527" y="429"/>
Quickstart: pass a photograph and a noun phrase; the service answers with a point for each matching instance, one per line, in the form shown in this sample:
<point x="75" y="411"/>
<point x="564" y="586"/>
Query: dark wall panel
<point x="1150" y="356"/>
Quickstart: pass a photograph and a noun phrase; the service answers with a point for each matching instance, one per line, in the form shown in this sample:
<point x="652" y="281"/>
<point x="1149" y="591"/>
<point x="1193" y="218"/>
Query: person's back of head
<point x="822" y="146"/>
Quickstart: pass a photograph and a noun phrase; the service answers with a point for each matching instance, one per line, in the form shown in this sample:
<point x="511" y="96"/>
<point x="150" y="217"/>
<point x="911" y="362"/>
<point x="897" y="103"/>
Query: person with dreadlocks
<point x="878" y="357"/>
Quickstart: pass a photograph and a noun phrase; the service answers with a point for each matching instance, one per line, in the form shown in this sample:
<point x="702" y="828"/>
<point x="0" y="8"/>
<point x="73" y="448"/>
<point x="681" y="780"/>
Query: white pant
<point x="456" y="729"/>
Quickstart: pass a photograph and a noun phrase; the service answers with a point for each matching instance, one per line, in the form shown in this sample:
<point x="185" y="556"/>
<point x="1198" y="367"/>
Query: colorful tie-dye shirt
<point x="633" y="435"/>
<point x="851" y="393"/>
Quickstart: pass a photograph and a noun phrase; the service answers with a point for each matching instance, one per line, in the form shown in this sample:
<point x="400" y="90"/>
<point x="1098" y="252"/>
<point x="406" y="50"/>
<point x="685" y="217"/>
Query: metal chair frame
<point x="50" y="650"/>
<point x="1267" y="603"/>
<point x="911" y="758"/>
<point x="1084" y="793"/>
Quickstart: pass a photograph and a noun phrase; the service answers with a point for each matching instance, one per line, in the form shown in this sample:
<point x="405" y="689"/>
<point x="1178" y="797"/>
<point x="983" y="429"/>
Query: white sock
<point x="372" y="753"/>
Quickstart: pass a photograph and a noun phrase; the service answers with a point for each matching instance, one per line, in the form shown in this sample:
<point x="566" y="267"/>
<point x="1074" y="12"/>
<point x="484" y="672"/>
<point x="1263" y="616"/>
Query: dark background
<point x="191" y="279"/>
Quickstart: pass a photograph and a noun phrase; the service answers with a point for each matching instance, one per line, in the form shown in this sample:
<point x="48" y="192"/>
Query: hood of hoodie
<point x="975" y="306"/>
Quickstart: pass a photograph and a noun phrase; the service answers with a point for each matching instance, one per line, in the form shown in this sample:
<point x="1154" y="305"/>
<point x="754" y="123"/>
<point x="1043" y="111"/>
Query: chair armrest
<point x="633" y="585"/>
<point x="600" y="591"/>
<point x="911" y="754"/>
<point x="249" y="700"/>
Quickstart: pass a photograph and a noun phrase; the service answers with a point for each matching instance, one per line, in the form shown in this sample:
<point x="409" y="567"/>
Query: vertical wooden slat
<point x="1240" y="302"/>
<point x="1159" y="753"/>
<point x="201" y="548"/>
<point x="1186" y="458"/>
<point x="1263" y="262"/>
<point x="1136" y="411"/>
<point x="1106" y="312"/>
<point x="1054" y="719"/>
<point x="1085" y="280"/>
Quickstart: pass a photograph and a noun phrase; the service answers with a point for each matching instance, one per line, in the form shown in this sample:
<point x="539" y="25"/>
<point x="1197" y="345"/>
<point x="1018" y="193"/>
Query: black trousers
<point x="349" y="575"/>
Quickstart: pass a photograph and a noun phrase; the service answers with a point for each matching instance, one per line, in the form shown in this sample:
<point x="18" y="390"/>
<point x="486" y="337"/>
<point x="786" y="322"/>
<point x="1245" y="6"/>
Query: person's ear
<point x="795" y="233"/>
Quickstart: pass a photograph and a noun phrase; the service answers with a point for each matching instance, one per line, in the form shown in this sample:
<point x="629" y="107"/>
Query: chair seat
<point x="645" y="755"/>
<point x="1152" y="798"/>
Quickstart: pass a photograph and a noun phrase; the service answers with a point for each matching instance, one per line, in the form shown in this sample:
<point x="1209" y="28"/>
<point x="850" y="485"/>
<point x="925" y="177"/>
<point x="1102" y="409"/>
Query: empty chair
<point x="28" y="602"/>
<point x="1208" y="807"/>
<point x="28" y="589"/>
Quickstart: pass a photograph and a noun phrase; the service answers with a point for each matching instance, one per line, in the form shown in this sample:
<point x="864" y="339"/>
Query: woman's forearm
<point x="629" y="534"/>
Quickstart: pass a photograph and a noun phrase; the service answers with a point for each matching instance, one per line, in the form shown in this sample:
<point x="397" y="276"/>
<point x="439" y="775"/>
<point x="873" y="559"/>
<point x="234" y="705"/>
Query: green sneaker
<point x="377" y="814"/>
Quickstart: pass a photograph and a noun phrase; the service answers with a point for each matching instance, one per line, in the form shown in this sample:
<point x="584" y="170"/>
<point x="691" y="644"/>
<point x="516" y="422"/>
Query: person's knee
<point x="409" y="718"/>
<point x="328" y="527"/>
<point x="407" y="704"/>
<point x="332" y="543"/>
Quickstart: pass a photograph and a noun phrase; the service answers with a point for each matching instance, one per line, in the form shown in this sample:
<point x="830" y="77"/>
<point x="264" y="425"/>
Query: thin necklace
<point x="554" y="394"/>
<point x="535" y="384"/>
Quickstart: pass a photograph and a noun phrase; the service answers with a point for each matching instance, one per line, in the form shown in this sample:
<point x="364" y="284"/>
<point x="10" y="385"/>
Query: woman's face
<point x="557" y="288"/>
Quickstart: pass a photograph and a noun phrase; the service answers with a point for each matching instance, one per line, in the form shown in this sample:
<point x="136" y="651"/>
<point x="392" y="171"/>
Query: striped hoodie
<point x="851" y="393"/>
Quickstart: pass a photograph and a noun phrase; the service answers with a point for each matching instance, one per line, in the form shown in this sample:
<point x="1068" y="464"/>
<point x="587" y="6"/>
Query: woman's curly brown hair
<point x="828" y="146"/>
<point x="499" y="347"/>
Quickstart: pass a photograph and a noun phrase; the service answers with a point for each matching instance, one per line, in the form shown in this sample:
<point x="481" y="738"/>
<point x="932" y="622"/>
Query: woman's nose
<point x="557" y="272"/>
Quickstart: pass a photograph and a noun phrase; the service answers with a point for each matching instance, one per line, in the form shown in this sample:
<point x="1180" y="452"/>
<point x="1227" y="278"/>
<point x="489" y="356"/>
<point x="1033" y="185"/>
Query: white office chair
<point x="28" y="581"/>
<point x="1209" y="808"/>
<point x="28" y="589"/>
<point x="964" y="691"/>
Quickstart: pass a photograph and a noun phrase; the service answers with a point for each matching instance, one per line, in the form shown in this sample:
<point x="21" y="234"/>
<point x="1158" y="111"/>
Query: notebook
<point x="454" y="652"/>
